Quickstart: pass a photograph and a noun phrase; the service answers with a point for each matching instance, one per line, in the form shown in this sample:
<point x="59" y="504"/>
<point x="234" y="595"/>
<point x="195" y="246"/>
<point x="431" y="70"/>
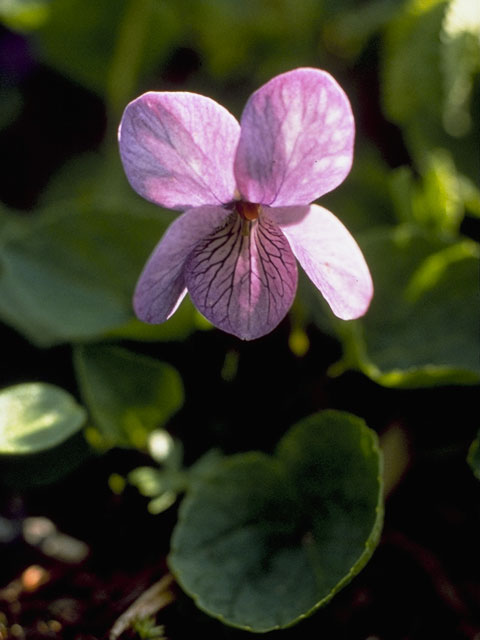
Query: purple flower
<point x="246" y="191"/>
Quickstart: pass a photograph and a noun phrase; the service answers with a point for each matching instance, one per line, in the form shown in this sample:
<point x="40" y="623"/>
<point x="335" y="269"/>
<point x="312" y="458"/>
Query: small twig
<point x="156" y="597"/>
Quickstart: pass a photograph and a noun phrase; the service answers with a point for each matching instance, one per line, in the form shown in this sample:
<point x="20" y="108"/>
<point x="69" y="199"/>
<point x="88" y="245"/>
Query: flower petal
<point x="296" y="142"/>
<point x="161" y="286"/>
<point x="243" y="277"/>
<point x="177" y="149"/>
<point x="330" y="256"/>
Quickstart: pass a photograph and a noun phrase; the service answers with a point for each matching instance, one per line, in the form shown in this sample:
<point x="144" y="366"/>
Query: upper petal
<point x="161" y="286"/>
<point x="178" y="149"/>
<point x="330" y="256"/>
<point x="243" y="277"/>
<point x="296" y="142"/>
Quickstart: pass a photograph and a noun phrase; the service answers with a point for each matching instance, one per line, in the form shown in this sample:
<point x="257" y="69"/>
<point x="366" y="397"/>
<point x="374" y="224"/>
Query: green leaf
<point x="436" y="201"/>
<point x="364" y="201"/>
<point x="230" y="36"/>
<point x="460" y="49"/>
<point x="262" y="541"/>
<point x="24" y="15"/>
<point x="69" y="275"/>
<point x="348" y="32"/>
<point x="409" y="88"/>
<point x="128" y="395"/>
<point x="430" y="100"/>
<point x="421" y="328"/>
<point x="80" y="39"/>
<point x="37" y="416"/>
<point x="474" y="456"/>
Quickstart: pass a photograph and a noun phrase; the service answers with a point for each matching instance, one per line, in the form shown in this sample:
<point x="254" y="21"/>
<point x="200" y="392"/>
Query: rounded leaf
<point x="36" y="416"/>
<point x="264" y="541"/>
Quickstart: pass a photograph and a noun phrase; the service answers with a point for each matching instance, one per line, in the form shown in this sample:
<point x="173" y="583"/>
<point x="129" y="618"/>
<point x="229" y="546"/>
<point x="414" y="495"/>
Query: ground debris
<point x="42" y="533"/>
<point x="155" y="598"/>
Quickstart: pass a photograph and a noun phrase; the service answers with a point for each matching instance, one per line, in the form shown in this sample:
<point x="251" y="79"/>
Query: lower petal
<point x="161" y="286"/>
<point x="330" y="256"/>
<point x="243" y="276"/>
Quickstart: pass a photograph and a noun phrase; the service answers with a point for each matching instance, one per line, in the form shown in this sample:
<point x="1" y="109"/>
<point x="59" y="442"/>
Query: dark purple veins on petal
<point x="243" y="276"/>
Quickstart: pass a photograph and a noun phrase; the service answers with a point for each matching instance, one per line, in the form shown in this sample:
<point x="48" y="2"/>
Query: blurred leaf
<point x="347" y="33"/>
<point x="24" y="15"/>
<point x="69" y="275"/>
<point x="470" y="196"/>
<point x="474" y="456"/>
<point x="434" y="202"/>
<point x="45" y="467"/>
<point x="252" y="39"/>
<point x="37" y="416"/>
<point x="263" y="541"/>
<point x="364" y="200"/>
<point x="128" y="395"/>
<point x="460" y="49"/>
<point x="12" y="102"/>
<point x="161" y="485"/>
<point x="80" y="39"/>
<point x="428" y="63"/>
<point x="149" y="481"/>
<point x="422" y="326"/>
<point x="412" y="89"/>
<point x="179" y="326"/>
<point x="77" y="180"/>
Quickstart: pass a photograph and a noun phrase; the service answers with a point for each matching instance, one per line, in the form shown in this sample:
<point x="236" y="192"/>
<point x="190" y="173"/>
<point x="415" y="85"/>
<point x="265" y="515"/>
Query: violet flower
<point x="246" y="191"/>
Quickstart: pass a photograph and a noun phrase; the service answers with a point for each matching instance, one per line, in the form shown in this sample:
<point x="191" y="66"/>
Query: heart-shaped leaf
<point x="264" y="541"/>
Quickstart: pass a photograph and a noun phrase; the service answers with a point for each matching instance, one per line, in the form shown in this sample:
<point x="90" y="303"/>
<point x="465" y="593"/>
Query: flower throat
<point x="248" y="212"/>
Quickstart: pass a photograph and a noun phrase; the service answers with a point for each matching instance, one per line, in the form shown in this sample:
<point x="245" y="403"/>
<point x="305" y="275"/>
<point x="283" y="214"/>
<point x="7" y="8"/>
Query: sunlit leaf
<point x="429" y="59"/>
<point x="422" y="326"/>
<point x="435" y="201"/>
<point x="460" y="50"/>
<point x="470" y="196"/>
<point x="24" y="15"/>
<point x="37" y="416"/>
<point x="128" y="395"/>
<point x="263" y="541"/>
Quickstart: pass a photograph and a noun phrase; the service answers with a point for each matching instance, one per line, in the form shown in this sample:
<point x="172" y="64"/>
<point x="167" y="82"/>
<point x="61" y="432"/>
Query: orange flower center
<point x="247" y="210"/>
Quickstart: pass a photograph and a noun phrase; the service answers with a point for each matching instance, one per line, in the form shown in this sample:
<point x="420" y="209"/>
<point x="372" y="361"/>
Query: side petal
<point x="161" y="286"/>
<point x="243" y="277"/>
<point x="296" y="142"/>
<point x="330" y="256"/>
<point x="177" y="149"/>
